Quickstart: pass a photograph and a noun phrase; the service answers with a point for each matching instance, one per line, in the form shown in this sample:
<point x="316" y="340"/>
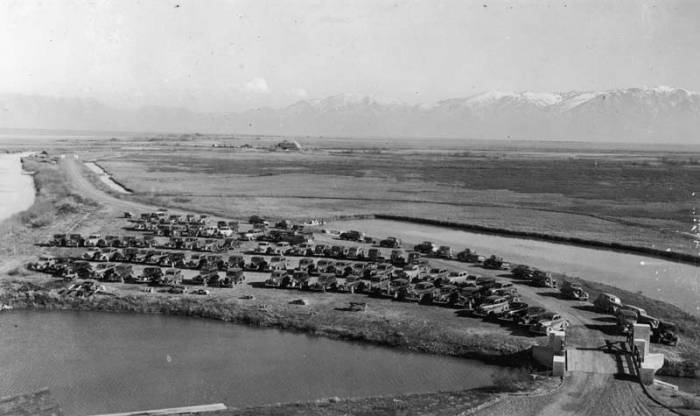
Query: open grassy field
<point x="641" y="197"/>
<point x="410" y="326"/>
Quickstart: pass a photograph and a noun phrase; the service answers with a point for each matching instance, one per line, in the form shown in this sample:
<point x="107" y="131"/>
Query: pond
<point x="106" y="178"/>
<point x="96" y="362"/>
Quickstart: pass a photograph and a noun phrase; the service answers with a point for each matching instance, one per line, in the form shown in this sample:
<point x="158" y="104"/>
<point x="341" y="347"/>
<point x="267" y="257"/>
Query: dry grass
<point x="54" y="200"/>
<point x="635" y="198"/>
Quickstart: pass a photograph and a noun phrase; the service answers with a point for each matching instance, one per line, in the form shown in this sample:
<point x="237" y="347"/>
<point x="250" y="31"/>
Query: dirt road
<point x="73" y="168"/>
<point x="582" y="394"/>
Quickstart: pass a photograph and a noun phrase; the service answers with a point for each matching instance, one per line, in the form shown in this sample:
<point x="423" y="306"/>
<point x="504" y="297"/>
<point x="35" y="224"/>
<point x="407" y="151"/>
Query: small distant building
<point x="288" y="145"/>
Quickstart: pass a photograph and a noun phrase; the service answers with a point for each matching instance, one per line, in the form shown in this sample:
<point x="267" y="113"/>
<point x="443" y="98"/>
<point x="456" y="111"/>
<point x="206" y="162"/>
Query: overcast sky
<point x="230" y="55"/>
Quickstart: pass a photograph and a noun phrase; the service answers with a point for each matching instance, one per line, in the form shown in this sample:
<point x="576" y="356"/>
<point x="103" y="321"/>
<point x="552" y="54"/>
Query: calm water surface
<point x="100" y="362"/>
<point x="672" y="282"/>
<point x="16" y="187"/>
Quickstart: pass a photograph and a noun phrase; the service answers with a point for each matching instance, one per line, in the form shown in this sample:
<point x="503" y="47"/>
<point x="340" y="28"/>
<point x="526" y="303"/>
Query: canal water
<point x="97" y="362"/>
<point x="106" y="178"/>
<point x="16" y="187"/>
<point x="676" y="283"/>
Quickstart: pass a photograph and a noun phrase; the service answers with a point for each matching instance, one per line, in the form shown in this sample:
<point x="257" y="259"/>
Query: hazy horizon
<point x="229" y="56"/>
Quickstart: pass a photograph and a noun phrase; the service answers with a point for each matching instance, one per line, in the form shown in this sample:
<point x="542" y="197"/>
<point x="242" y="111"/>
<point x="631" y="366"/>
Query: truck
<point x="494" y="263"/>
<point x="469" y="256"/>
<point x="352" y="235"/>
<point x="444" y="252"/>
<point x="374" y="254"/>
<point x="390" y="242"/>
<point x="426" y="247"/>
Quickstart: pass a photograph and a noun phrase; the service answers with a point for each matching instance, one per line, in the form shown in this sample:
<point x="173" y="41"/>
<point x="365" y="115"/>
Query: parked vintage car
<point x="171" y="277"/>
<point x="530" y="315"/>
<point x="542" y="279"/>
<point x="426" y="247"/>
<point x="548" y="322"/>
<point x="515" y="311"/>
<point x="275" y="279"/>
<point x="444" y="252"/>
<point x="257" y="264"/>
<point x="352" y="235"/>
<point x="390" y="242"/>
<point x="665" y="333"/>
<point x="608" y="303"/>
<point x="306" y="263"/>
<point x="573" y="291"/>
<point x="234" y="276"/>
<point x="495" y="305"/>
<point x="641" y="315"/>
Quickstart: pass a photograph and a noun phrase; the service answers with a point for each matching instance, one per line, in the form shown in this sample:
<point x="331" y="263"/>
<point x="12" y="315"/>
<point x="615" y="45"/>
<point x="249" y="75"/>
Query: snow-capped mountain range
<point x="660" y="114"/>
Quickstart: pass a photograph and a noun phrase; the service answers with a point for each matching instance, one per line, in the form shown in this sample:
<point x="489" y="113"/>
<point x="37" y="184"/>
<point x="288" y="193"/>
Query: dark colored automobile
<point x="665" y="333"/>
<point x="530" y="315"/>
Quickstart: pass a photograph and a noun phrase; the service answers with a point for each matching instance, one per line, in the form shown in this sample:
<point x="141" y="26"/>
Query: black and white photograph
<point x="349" y="207"/>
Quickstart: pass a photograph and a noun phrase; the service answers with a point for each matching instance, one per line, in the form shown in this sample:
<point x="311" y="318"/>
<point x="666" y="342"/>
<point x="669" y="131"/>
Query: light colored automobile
<point x="459" y="276"/>
<point x="549" y="322"/>
<point x="92" y="240"/>
<point x="493" y="305"/>
<point x="263" y="247"/>
<point x="226" y="231"/>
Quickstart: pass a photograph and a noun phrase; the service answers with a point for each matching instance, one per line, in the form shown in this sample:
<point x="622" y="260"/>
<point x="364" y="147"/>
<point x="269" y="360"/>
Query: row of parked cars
<point x="97" y="241"/>
<point x="403" y="275"/>
<point x="483" y="297"/>
<point x="628" y="315"/>
<point x="71" y="269"/>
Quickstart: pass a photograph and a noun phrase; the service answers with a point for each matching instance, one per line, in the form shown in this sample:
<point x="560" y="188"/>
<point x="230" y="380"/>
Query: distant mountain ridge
<point x="660" y="114"/>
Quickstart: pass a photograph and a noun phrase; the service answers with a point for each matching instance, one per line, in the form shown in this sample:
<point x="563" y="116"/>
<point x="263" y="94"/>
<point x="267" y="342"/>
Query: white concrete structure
<point x="552" y="355"/>
<point x="651" y="362"/>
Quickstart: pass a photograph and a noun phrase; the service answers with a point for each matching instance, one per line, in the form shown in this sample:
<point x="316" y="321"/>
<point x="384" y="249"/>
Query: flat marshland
<point x="640" y="197"/>
<point x="634" y="197"/>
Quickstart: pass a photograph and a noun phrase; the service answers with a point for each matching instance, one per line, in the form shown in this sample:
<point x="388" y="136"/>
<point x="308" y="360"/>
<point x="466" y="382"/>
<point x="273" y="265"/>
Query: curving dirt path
<point x="73" y="169"/>
<point x="582" y="394"/>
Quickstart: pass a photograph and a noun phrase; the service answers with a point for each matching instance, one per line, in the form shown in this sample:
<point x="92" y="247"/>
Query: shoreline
<point x="20" y="294"/>
<point x="383" y="333"/>
<point x="17" y="294"/>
